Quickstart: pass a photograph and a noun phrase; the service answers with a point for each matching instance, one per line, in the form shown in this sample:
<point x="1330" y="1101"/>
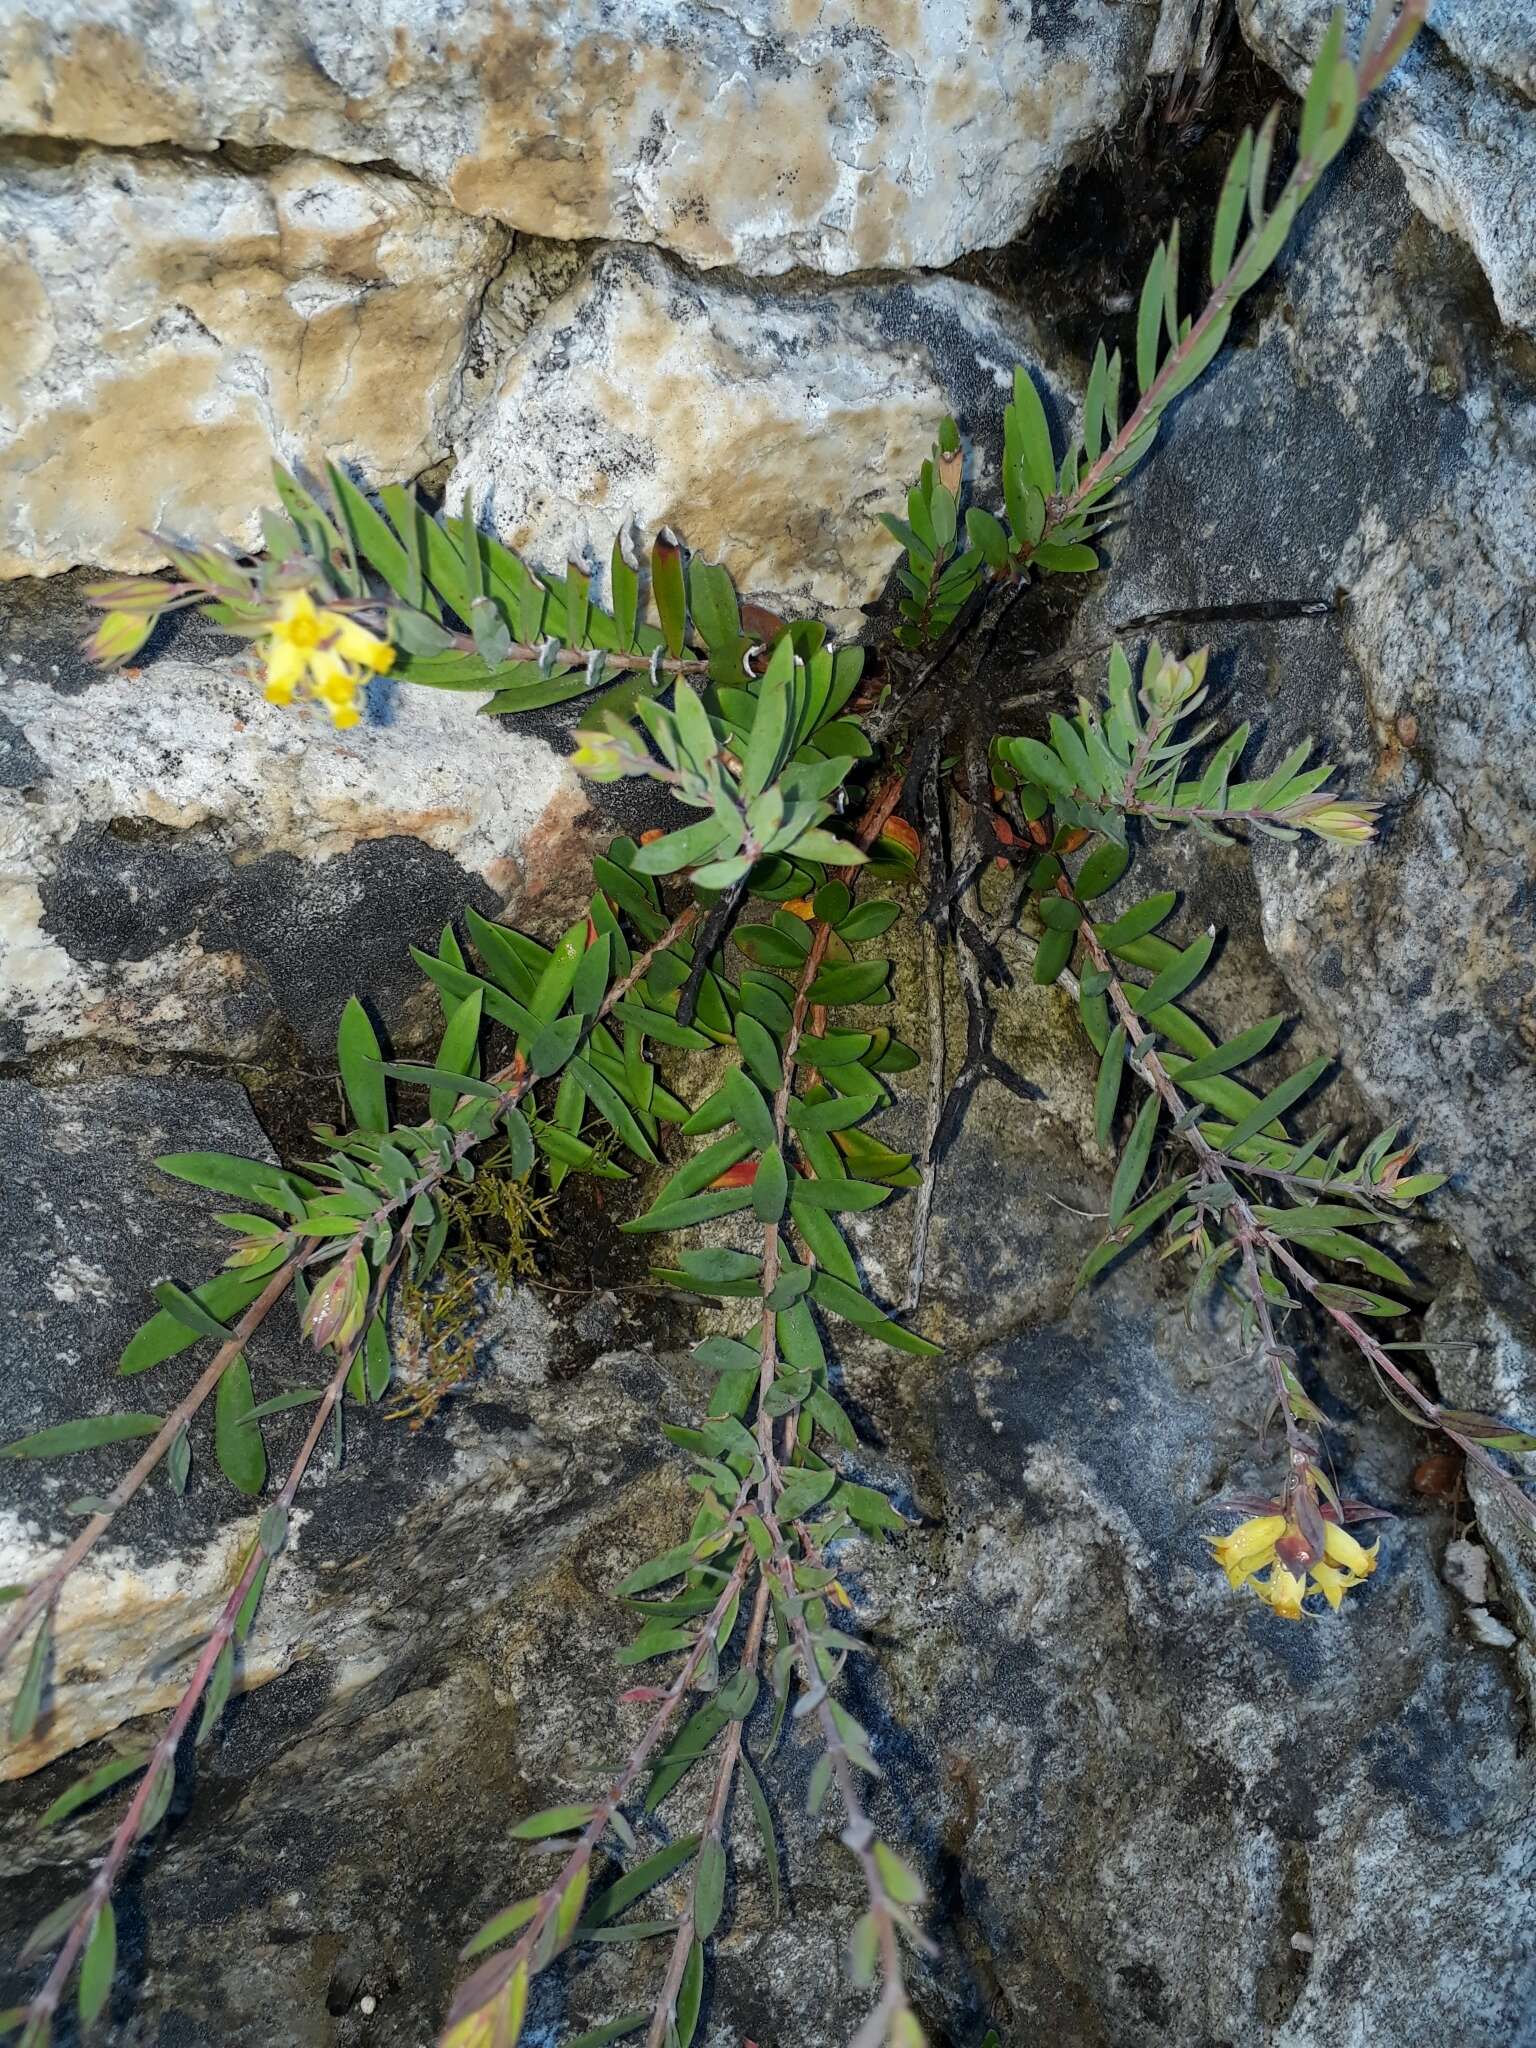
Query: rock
<point x="770" y="429"/>
<point x="861" y="137"/>
<point x="1147" y="1812"/>
<point x="1373" y="450"/>
<point x="1458" y="118"/>
<point x="185" y="868"/>
<point x="95" y="1224"/>
<point x="179" y="324"/>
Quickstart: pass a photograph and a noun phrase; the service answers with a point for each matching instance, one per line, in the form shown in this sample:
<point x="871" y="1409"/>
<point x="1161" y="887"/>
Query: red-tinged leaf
<point x="741" y="1175"/>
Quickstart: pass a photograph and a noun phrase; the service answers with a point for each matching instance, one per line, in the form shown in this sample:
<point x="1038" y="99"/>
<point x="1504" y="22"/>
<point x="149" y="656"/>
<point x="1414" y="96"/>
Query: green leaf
<point x="28" y="1702"/>
<point x="553" y="1046"/>
<point x="241" y="1454"/>
<point x="1135" y="923"/>
<point x="750" y="1110"/>
<point x="1026" y="422"/>
<point x="90" y="1787"/>
<point x="690" y="1994"/>
<point x="1247" y="1045"/>
<point x="252" y="1180"/>
<point x="709" y="1889"/>
<point x="867" y="921"/>
<point x="553" y="1820"/>
<point x="1101" y="870"/>
<point x="189" y="1312"/>
<point x="1133" y="1225"/>
<point x="358" y="1055"/>
<point x="839" y="1194"/>
<point x="88" y="1434"/>
<point x="770" y="1188"/>
<point x="857" y="981"/>
<point x="1072" y="558"/>
<point x="668" y="590"/>
<point x="1051" y="956"/>
<point x="622" y="1893"/>
<point x="628" y="2023"/>
<point x="766" y="1829"/>
<point x="496" y="1930"/>
<point x="1229" y="209"/>
<point x="761" y="1052"/>
<point x="1133" y="1161"/>
<point x="98" y="1966"/>
<point x="1107" y="1094"/>
<point x="1149" y="320"/>
<point x="1177" y="976"/>
<point x="456" y="1054"/>
<point x="1314" y="112"/>
<point x="685" y="848"/>
<point x="1274" y="1104"/>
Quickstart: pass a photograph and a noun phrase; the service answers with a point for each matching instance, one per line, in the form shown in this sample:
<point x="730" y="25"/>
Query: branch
<point x="141" y="1813"/>
<point x="1254" y="1236"/>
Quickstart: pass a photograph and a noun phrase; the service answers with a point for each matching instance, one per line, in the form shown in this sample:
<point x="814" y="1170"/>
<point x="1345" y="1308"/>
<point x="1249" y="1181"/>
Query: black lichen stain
<point x="312" y="932"/>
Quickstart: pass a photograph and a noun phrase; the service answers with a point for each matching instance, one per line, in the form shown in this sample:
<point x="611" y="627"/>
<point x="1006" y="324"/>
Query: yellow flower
<point x="1248" y="1552"/>
<point x="1249" y="1548"/>
<point x="1282" y="1591"/>
<point x="598" y="755"/>
<point x="322" y="655"/>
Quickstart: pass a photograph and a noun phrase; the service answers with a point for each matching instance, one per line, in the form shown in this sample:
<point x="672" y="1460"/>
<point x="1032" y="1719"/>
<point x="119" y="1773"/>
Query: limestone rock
<point x="1459" y="117"/>
<point x="94" y="1224"/>
<point x="858" y="135"/>
<point x="770" y="429"/>
<point x="1373" y="450"/>
<point x="185" y="868"/>
<point x="177" y="324"/>
<point x="1147" y="1812"/>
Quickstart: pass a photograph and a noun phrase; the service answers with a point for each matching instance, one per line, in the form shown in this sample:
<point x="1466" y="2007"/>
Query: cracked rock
<point x="771" y="429"/>
<point x="885" y="134"/>
<point x="185" y="868"/>
<point x="1459" y="117"/>
<point x="175" y="325"/>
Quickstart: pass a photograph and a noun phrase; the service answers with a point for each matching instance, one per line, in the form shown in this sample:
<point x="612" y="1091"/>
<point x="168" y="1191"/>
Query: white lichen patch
<point x="127" y="1633"/>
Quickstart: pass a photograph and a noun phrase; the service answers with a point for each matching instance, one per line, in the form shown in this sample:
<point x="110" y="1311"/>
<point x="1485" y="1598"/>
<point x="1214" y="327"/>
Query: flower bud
<point x="1174" y="682"/>
<point x="335" y="1311"/>
<point x="598" y="756"/>
<point x="1352" y="823"/>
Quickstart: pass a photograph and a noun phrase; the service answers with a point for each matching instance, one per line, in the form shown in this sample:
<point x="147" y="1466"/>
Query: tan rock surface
<point x="180" y="324"/>
<point x="842" y="134"/>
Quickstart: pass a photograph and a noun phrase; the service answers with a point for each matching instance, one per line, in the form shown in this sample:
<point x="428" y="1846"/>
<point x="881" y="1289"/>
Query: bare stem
<point x="163" y="1756"/>
<point x="493" y="1976"/>
<point x="714" y="1827"/>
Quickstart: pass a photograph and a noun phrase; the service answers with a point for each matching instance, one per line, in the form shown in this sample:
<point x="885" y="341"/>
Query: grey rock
<point x="771" y="428"/>
<point x="1459" y="117"/>
<point x="877" y="136"/>
<point x="185" y="868"/>
<point x="1372" y="450"/>
<point x="1146" y="1812"/>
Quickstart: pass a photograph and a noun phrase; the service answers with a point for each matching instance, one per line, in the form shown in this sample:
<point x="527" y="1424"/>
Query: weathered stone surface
<point x="1459" y="117"/>
<point x="854" y="136"/>
<point x="95" y="1224"/>
<point x="1374" y="449"/>
<point x="770" y="430"/>
<point x="1147" y="1813"/>
<point x="176" y="324"/>
<point x="186" y="868"/>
